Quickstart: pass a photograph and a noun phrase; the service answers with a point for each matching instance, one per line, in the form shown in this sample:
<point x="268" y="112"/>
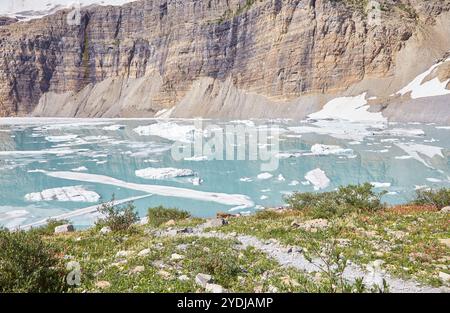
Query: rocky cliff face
<point x="149" y="55"/>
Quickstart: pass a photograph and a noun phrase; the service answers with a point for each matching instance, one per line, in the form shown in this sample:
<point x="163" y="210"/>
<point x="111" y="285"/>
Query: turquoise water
<point x="399" y="158"/>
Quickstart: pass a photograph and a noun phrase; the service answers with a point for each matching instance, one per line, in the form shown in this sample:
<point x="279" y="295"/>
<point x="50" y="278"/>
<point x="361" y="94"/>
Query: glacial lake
<point x="65" y="167"/>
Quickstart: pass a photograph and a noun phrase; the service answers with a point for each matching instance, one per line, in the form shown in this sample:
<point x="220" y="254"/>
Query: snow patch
<point x="431" y="88"/>
<point x="348" y="108"/>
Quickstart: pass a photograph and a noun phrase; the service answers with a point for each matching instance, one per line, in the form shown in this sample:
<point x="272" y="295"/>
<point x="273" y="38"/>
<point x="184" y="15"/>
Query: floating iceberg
<point x="319" y="149"/>
<point x="264" y="176"/>
<point x="71" y="193"/>
<point x="168" y="130"/>
<point x="163" y="173"/>
<point x="318" y="178"/>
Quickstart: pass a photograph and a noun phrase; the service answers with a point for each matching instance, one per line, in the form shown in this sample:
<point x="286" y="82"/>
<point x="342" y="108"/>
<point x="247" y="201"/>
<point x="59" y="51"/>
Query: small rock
<point x="176" y="257"/>
<point x="143" y="221"/>
<point x="203" y="279"/>
<point x="105" y="230"/>
<point x="215" y="222"/>
<point x="445" y="209"/>
<point x="164" y="274"/>
<point x="314" y="225"/>
<point x="66" y="228"/>
<point x="444" y="276"/>
<point x="214" y="288"/>
<point x="186" y="230"/>
<point x="144" y="252"/>
<point x="138" y="269"/>
<point x="272" y="289"/>
<point x="158" y="263"/>
<point x="103" y="284"/>
<point x="172" y="232"/>
<point x="170" y="223"/>
<point x="182" y="247"/>
<point x="445" y="241"/>
<point x="120" y="263"/>
<point x="124" y="254"/>
<point x="183" y="278"/>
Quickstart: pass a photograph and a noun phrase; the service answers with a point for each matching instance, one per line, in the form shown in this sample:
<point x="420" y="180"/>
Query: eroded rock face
<point x="277" y="49"/>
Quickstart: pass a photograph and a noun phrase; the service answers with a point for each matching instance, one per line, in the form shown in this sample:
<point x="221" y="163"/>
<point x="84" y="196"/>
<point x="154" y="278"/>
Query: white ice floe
<point x="264" y="197"/>
<point x="263" y="176"/>
<point x="163" y="173"/>
<point x="294" y="183"/>
<point x="434" y="180"/>
<point x="318" y="178"/>
<point x="114" y="127"/>
<point x="62" y="138"/>
<point x="70" y="193"/>
<point x="39" y="152"/>
<point x="403" y="132"/>
<point x="403" y="157"/>
<point x="442" y="127"/>
<point x="281" y="177"/>
<point x="196" y="181"/>
<point x="236" y="200"/>
<point x="353" y="109"/>
<point x="80" y="169"/>
<point x="319" y="149"/>
<point x="346" y="130"/>
<point x="420" y="89"/>
<point x="168" y="130"/>
<point x="419" y="151"/>
<point x="245" y="179"/>
<point x="380" y="185"/>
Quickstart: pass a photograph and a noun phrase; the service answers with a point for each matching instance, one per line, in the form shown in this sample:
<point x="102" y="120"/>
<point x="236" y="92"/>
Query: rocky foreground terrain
<point x="224" y="58"/>
<point x="356" y="245"/>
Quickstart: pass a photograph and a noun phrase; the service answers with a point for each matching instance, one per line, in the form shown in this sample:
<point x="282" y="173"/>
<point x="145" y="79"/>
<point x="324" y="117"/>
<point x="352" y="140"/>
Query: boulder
<point x="445" y="209"/>
<point x="203" y="279"/>
<point x="444" y="277"/>
<point x="66" y="228"/>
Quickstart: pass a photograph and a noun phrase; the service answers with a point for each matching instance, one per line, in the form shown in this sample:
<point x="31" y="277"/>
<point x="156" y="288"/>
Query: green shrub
<point x="160" y="215"/>
<point x="438" y="198"/>
<point x="352" y="198"/>
<point x="119" y="217"/>
<point x="49" y="228"/>
<point x="27" y="264"/>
